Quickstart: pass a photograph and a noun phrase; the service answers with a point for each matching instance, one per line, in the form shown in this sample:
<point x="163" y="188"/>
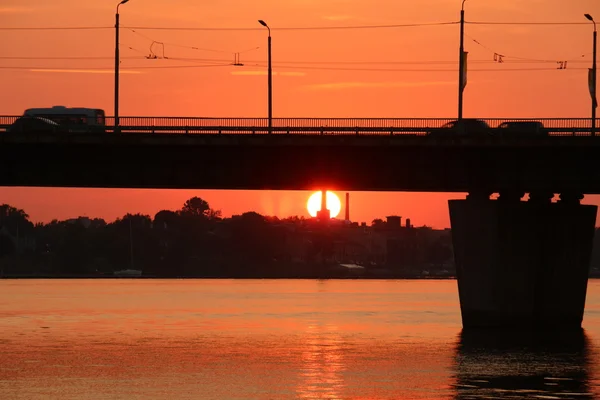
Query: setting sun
<point x="333" y="204"/>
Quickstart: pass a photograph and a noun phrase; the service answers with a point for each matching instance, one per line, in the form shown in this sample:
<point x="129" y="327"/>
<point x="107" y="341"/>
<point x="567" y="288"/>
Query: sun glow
<point x="333" y="204"/>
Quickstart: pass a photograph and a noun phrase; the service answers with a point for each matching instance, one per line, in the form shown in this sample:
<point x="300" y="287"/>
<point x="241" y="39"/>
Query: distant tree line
<point x="194" y="241"/>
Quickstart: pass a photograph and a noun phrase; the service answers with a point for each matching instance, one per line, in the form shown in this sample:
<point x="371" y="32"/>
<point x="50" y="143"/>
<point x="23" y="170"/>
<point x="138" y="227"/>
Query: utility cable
<point x="290" y="67"/>
<point x="387" y="26"/>
<point x="232" y="28"/>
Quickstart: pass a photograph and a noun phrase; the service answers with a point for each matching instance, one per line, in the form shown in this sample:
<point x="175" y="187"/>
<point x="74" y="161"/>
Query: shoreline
<point x="15" y="277"/>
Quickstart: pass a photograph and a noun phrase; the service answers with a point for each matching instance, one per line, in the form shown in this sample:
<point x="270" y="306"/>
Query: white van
<point x="77" y="119"/>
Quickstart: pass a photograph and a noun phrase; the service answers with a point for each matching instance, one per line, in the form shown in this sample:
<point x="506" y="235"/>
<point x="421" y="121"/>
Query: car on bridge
<point x="522" y="129"/>
<point x="73" y="119"/>
<point x="462" y="127"/>
<point x="28" y="124"/>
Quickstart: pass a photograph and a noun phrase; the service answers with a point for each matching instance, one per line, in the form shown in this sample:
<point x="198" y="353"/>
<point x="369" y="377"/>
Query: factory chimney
<point x="324" y="214"/>
<point x="347" y="207"/>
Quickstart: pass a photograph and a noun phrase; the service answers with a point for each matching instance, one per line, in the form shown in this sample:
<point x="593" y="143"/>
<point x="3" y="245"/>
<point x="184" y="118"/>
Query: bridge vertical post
<point x="270" y="73"/>
<point x="117" y="61"/>
<point x="522" y="264"/>
<point x="461" y="62"/>
<point x="594" y="82"/>
<point x="116" y="104"/>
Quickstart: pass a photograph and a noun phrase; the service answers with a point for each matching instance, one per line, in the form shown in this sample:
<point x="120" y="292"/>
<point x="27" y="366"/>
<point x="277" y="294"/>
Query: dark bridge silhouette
<point x="353" y="154"/>
<point x="519" y="263"/>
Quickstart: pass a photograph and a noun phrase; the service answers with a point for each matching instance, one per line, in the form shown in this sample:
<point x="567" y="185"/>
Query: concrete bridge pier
<point x="522" y="264"/>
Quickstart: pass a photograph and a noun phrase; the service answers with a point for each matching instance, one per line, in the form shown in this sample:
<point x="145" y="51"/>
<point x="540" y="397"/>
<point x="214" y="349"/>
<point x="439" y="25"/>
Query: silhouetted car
<point x="522" y="128"/>
<point x="33" y="125"/>
<point x="464" y="127"/>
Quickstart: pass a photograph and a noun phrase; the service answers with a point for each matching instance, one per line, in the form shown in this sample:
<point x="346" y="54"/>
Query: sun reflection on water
<point x="322" y="363"/>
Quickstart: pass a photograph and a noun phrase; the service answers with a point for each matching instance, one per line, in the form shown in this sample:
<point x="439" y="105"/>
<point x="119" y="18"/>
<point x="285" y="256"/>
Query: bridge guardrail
<point x="313" y="126"/>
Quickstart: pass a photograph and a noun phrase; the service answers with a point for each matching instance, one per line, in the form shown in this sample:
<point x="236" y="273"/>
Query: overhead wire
<point x="37" y="67"/>
<point x="523" y="23"/>
<point x="67" y="58"/>
<point x="53" y="28"/>
<point x="291" y="67"/>
<point x="133" y="48"/>
<point x="413" y="69"/>
<point x="152" y="55"/>
<point x="500" y="57"/>
<point x="285" y="62"/>
<point x="175" y="44"/>
<point x="383" y="26"/>
<point x="296" y="28"/>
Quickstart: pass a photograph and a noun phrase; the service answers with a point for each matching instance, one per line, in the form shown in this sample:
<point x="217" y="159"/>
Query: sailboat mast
<point x="131" y="243"/>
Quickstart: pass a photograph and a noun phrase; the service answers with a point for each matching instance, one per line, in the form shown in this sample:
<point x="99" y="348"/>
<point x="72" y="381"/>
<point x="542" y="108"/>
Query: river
<point x="273" y="339"/>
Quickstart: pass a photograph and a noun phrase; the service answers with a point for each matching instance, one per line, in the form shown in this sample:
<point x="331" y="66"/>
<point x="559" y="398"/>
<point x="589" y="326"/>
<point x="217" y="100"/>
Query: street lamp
<point x="461" y="62"/>
<point x="116" y="129"/>
<point x="592" y="77"/>
<point x="270" y="77"/>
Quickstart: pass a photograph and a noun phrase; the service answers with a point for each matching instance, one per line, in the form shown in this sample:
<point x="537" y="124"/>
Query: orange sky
<point x="300" y="89"/>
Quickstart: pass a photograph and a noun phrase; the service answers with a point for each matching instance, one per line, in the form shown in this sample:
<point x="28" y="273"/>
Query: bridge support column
<point x="522" y="264"/>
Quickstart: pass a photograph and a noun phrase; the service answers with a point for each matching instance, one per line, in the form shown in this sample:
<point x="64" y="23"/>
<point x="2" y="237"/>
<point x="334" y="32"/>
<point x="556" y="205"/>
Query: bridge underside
<point x="283" y="162"/>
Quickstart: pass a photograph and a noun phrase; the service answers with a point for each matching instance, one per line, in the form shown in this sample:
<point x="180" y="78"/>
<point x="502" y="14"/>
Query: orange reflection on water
<point x="322" y="363"/>
<point x="222" y="339"/>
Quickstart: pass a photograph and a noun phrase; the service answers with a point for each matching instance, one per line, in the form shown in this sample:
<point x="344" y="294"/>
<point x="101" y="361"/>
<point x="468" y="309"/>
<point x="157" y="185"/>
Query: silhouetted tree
<point x="7" y="246"/>
<point x="195" y="207"/>
<point x="133" y="234"/>
<point x="166" y="219"/>
<point x="377" y="223"/>
<point x="15" y="221"/>
<point x="252" y="242"/>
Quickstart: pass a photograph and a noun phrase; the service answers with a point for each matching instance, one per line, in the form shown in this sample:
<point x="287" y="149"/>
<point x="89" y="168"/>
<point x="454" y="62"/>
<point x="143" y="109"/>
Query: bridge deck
<point x="296" y="162"/>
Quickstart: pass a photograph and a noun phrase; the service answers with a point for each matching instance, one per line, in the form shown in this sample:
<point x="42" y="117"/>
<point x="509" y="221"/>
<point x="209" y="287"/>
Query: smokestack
<point x="347" y="207"/>
<point x="324" y="214"/>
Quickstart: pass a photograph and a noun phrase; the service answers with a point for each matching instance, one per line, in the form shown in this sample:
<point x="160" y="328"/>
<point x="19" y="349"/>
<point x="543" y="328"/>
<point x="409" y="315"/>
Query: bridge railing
<point x="311" y="126"/>
<point x="331" y="123"/>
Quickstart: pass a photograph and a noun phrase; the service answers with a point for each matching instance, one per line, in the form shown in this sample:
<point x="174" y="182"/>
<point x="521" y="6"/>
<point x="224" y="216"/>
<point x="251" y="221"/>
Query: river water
<point x="274" y="339"/>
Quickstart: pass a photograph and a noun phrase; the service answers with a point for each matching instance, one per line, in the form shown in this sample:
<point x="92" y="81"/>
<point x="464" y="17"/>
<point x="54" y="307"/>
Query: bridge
<point x="519" y="263"/>
<point x="313" y="126"/>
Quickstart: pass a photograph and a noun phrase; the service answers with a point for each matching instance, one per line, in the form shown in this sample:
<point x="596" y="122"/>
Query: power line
<point x="298" y="62"/>
<point x="289" y="66"/>
<point x="152" y="55"/>
<point x="53" y="28"/>
<point x="110" y="69"/>
<point x="500" y="57"/>
<point x="153" y="41"/>
<point x="234" y="28"/>
<point x="298" y="28"/>
<point x="67" y="58"/>
<point x="178" y="66"/>
<point x="134" y="49"/>
<point x="294" y="28"/>
<point x="413" y="62"/>
<point x="415" y="69"/>
<point x="523" y="23"/>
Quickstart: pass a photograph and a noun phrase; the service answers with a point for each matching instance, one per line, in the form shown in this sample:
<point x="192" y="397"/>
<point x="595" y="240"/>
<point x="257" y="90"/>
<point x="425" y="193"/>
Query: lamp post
<point x="117" y="66"/>
<point x="461" y="62"/>
<point x="592" y="79"/>
<point x="270" y="77"/>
